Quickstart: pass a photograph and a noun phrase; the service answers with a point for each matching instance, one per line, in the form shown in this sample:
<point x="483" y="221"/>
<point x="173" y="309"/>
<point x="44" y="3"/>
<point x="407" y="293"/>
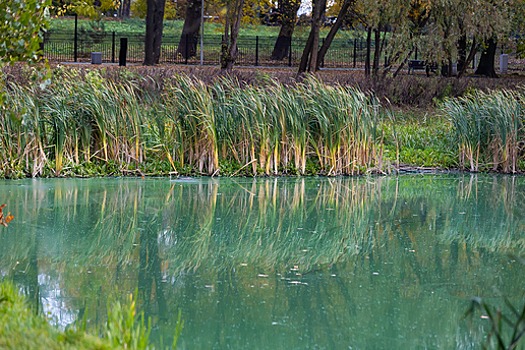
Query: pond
<point x="273" y="263"/>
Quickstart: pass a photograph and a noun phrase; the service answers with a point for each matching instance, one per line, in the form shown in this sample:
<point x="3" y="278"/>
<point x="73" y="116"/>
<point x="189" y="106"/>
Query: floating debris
<point x="5" y="220"/>
<point x="298" y="283"/>
<point x="262" y="275"/>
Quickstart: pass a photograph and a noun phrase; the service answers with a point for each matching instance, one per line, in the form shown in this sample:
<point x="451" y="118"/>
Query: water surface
<point x="299" y="263"/>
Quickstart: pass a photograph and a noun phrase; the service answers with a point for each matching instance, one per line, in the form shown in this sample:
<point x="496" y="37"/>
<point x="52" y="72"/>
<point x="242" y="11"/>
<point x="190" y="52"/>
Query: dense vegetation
<point x="23" y="328"/>
<point x="98" y="122"/>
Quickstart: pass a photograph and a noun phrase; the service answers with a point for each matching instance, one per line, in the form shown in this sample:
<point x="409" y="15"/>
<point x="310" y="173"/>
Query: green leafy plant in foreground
<point x="22" y="328"/>
<point x="501" y="324"/>
<point x="507" y="327"/>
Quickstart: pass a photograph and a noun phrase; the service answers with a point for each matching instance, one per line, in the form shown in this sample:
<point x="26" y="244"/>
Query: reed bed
<point x="86" y="124"/>
<point x="489" y="129"/>
<point x="120" y="122"/>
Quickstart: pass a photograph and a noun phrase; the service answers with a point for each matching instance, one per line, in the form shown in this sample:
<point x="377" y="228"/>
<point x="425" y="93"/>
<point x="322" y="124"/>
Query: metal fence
<point x="253" y="51"/>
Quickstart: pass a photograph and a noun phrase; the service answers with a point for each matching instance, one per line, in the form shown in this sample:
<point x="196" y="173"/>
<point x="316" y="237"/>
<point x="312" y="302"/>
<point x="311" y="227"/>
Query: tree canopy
<point x="22" y="25"/>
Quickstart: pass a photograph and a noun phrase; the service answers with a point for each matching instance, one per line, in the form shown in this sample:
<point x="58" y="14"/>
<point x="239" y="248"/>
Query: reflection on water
<point x="355" y="263"/>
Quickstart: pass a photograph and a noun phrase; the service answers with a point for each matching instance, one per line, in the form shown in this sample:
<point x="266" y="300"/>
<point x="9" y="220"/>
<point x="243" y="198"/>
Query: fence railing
<point x="256" y="51"/>
<point x="253" y="51"/>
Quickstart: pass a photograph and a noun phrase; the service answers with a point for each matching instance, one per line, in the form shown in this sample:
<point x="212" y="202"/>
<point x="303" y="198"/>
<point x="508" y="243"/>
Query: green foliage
<point x="120" y="122"/>
<point x="489" y="128"/>
<point x="419" y="140"/>
<point x="269" y="129"/>
<point x="22" y="24"/>
<point x="507" y="326"/>
<point x="84" y="8"/>
<point x="139" y="9"/>
<point x="22" y="328"/>
<point x="124" y="329"/>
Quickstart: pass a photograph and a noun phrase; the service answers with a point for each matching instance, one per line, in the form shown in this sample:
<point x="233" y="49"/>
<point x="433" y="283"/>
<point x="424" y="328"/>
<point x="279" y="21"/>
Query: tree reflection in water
<point x="273" y="263"/>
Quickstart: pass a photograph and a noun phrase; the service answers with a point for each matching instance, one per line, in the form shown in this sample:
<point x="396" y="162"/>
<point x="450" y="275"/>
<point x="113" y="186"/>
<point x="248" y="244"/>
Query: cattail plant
<point x="489" y="128"/>
<point x="85" y="119"/>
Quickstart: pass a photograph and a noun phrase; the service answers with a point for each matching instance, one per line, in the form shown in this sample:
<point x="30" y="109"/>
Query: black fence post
<point x="355" y="52"/>
<point x="186" y="52"/>
<point x="113" y="44"/>
<point x="75" y="40"/>
<point x="257" y="50"/>
<point x="322" y="62"/>
<point x="290" y="54"/>
<point x="416" y="53"/>
<point x="123" y="52"/>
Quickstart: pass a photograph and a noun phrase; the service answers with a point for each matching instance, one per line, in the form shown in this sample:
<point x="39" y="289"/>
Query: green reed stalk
<point x="191" y="105"/>
<point x="488" y="128"/>
<point x="99" y="121"/>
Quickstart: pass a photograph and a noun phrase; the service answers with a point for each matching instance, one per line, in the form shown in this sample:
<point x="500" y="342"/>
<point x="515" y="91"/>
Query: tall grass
<point x="93" y="122"/>
<point x="489" y="129"/>
<point x="83" y="120"/>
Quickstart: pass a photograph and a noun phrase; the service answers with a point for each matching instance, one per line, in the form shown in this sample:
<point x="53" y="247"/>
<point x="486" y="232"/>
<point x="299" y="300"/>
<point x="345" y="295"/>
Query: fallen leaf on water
<point x="5" y="220"/>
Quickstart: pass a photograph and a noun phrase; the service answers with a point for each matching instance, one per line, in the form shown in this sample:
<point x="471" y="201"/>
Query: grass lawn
<point x="174" y="27"/>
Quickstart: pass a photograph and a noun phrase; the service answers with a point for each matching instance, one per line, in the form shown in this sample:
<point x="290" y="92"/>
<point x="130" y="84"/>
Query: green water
<point x="300" y="263"/>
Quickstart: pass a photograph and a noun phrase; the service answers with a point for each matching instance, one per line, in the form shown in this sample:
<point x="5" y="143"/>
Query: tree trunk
<point x="310" y="52"/>
<point x="402" y="65"/>
<point x="486" y="61"/>
<point x="368" y="51"/>
<point x="289" y="10"/>
<point x="333" y="31"/>
<point x="231" y="32"/>
<point x="125" y="9"/>
<point x="316" y="29"/>
<point x="154" y="23"/>
<point x="462" y="52"/>
<point x="469" y="58"/>
<point x="303" y="65"/>
<point x="190" y="31"/>
<point x="377" y="50"/>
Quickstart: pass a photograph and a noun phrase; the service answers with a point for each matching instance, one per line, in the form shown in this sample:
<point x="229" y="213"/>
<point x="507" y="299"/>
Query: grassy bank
<point x="23" y="328"/>
<point x="159" y="122"/>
